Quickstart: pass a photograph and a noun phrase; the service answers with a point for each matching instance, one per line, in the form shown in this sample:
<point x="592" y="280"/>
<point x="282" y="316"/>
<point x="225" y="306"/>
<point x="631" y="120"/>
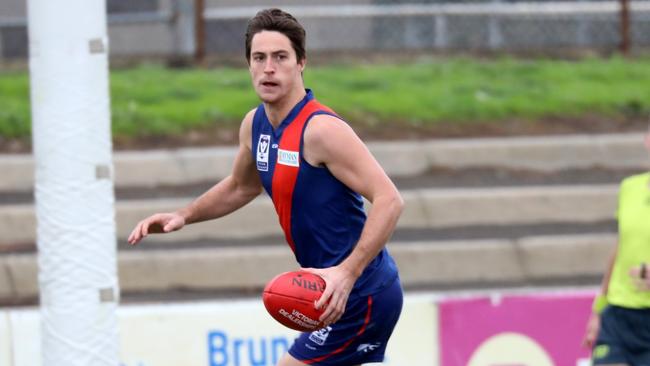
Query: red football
<point x="290" y="298"/>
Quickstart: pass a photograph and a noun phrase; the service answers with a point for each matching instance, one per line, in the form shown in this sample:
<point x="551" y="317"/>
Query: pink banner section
<point x="522" y="330"/>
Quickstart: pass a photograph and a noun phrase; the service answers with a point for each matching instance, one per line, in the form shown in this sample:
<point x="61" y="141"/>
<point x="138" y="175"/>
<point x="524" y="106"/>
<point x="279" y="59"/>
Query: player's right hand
<point x="593" y="326"/>
<point x="338" y="285"/>
<point x="158" y="223"/>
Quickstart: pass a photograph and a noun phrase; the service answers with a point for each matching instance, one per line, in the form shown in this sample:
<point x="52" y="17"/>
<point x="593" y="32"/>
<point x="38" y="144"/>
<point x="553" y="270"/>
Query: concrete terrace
<point x="479" y="213"/>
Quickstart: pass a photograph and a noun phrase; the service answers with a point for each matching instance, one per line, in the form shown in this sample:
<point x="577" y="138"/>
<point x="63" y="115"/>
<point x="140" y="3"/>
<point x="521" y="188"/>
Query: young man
<point x="315" y="169"/>
<point x="619" y="327"/>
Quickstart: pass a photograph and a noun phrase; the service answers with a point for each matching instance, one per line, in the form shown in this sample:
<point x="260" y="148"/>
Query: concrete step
<point x="425" y="208"/>
<point x="435" y="178"/>
<point x="423" y="264"/>
<point x="399" y="159"/>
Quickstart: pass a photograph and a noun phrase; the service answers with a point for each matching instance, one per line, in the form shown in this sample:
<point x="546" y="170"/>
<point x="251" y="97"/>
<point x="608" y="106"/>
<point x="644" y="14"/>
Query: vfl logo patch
<point x="286" y="157"/>
<point x="263" y="153"/>
<point x="320" y="336"/>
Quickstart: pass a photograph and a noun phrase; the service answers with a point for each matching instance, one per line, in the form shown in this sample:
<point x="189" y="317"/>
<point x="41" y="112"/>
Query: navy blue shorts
<point x="360" y="336"/>
<point x="624" y="337"/>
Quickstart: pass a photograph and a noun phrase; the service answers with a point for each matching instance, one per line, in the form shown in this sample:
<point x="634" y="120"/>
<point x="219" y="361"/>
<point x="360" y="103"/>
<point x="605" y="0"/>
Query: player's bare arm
<point x="234" y="191"/>
<point x="332" y="143"/>
<point x="230" y="194"/>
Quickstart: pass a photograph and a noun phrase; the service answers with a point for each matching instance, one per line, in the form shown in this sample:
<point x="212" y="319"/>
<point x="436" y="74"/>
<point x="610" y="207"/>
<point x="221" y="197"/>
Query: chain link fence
<point x="186" y="29"/>
<point x="136" y="29"/>
<point x="504" y="26"/>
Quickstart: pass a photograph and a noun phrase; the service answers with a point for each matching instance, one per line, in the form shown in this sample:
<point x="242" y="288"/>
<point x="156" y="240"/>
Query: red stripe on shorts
<point x="347" y="344"/>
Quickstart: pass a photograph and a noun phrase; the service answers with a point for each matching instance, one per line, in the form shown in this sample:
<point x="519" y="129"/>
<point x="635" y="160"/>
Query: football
<point x="290" y="298"/>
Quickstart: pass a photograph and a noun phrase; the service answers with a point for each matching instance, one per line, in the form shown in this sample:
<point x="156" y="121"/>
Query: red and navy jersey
<point x="321" y="217"/>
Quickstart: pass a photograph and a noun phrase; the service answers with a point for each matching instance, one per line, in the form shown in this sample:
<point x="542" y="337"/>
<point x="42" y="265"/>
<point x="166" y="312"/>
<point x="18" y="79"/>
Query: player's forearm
<point x="378" y="229"/>
<point x="220" y="200"/>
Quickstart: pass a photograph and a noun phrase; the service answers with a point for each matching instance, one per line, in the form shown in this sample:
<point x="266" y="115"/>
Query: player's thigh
<point x="288" y="360"/>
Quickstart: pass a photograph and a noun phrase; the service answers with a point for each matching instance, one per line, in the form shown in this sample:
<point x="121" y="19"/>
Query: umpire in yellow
<point x="619" y="327"/>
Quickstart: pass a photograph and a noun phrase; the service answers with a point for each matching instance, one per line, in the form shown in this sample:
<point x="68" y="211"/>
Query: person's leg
<point x="638" y="338"/>
<point x="288" y="360"/>
<point x="610" y="349"/>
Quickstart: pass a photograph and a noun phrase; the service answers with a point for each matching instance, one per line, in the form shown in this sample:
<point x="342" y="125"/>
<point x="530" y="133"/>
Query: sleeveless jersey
<point x="634" y="242"/>
<point x="321" y="217"/>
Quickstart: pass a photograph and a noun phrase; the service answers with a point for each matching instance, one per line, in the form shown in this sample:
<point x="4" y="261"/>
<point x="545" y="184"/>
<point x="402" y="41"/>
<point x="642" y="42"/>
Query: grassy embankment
<point x="151" y="100"/>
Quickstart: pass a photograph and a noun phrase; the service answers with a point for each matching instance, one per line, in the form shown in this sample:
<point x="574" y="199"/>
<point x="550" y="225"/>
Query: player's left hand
<point x="640" y="276"/>
<point x="338" y="284"/>
<point x="591" y="333"/>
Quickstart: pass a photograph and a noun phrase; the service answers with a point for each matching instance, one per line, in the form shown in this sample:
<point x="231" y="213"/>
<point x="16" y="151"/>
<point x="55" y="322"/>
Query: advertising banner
<point x="5" y="344"/>
<point x="25" y="337"/>
<point x="522" y="330"/>
<point x="415" y="340"/>
<point x="232" y="333"/>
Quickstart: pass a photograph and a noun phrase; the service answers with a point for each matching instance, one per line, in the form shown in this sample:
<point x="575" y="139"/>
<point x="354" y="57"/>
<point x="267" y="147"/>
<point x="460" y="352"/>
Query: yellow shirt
<point x="634" y="242"/>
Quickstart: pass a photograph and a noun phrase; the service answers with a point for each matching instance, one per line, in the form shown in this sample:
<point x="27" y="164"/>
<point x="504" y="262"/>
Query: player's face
<point x="275" y="70"/>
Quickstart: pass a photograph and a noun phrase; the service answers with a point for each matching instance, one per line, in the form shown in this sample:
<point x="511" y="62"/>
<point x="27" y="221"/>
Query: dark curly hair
<point x="279" y="21"/>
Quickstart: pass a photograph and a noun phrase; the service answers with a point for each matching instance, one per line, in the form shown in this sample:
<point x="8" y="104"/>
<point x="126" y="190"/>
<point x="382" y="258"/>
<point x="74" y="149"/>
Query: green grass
<point x="14" y="105"/>
<point x="150" y="100"/>
<point x="466" y="91"/>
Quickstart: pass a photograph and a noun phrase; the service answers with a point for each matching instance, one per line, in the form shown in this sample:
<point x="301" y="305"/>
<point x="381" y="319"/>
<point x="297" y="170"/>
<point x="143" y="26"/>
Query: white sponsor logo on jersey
<point x="286" y="157"/>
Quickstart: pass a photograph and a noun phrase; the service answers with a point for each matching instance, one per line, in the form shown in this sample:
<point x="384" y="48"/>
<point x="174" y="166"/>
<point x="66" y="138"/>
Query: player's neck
<point x="277" y="111"/>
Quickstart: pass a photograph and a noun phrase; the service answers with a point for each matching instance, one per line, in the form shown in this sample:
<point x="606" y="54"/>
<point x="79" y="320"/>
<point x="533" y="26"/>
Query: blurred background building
<point x="186" y="28"/>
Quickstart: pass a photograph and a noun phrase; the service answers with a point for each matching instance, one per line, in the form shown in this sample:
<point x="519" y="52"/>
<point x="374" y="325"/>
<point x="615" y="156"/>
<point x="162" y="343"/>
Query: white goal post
<point x="79" y="291"/>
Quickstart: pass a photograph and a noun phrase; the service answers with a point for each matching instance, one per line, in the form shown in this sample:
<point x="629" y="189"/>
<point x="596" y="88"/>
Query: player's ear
<point x="302" y="63"/>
